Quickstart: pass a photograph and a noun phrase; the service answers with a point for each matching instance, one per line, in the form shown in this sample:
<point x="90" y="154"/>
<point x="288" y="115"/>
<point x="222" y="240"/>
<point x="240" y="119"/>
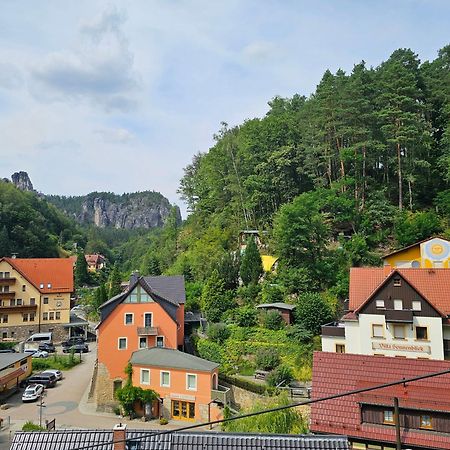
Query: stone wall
<point x="104" y="390"/>
<point x="241" y="398"/>
<point x="23" y="332"/>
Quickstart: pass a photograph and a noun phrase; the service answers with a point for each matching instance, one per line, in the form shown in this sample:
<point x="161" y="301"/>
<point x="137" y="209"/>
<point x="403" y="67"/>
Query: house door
<point x="183" y="410"/>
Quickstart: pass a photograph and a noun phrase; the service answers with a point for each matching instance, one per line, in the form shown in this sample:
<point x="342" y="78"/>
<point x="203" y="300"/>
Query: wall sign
<point x="401" y="347"/>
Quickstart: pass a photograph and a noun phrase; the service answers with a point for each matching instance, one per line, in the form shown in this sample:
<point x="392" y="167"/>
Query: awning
<point x="12" y="373"/>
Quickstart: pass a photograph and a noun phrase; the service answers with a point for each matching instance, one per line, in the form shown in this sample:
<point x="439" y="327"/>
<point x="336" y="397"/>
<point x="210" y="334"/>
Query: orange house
<point x="150" y="313"/>
<point x="187" y="385"/>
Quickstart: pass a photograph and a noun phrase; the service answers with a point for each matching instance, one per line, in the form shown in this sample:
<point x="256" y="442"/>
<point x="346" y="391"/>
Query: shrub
<point x="210" y="350"/>
<point x="59" y="362"/>
<point x="249" y="294"/>
<point x="312" y="311"/>
<point x="267" y="358"/>
<point x="281" y="375"/>
<point x="245" y="316"/>
<point x="30" y="426"/>
<point x="299" y="334"/>
<point x="163" y="421"/>
<point x="272" y="320"/>
<point x="218" y="332"/>
<point x="272" y="293"/>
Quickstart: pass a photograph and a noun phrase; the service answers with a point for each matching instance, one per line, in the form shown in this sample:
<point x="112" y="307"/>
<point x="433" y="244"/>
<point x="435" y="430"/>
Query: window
<point x="1" y="275"/>
<point x="377" y="331"/>
<point x="191" y="382"/>
<point x="25" y="317"/>
<point x="425" y="422"/>
<point x="379" y="304"/>
<point x="24" y="287"/>
<point x="41" y="286"/>
<point x="417" y="305"/>
<point x="57" y="315"/>
<point x="32" y="301"/>
<point x="5" y="318"/>
<point x="138" y="295"/>
<point x="45" y="300"/>
<point x="51" y="316"/>
<point x="128" y="318"/>
<point x="399" y="332"/>
<point x="397" y="282"/>
<point x="4" y="334"/>
<point x="12" y="302"/>
<point x="117" y="384"/>
<point x="148" y="319"/>
<point x="388" y="416"/>
<point x="438" y="264"/>
<point x="19" y="302"/>
<point x="32" y="317"/>
<point x="122" y="343"/>
<point x="7" y="274"/>
<point x="49" y="286"/>
<point x="142" y="342"/>
<point x="340" y="348"/>
<point x="160" y="341"/>
<point x="422" y="333"/>
<point x="165" y="379"/>
<point x="398" y="304"/>
<point x="145" y="376"/>
<point x="45" y="316"/>
<point x="5" y="288"/>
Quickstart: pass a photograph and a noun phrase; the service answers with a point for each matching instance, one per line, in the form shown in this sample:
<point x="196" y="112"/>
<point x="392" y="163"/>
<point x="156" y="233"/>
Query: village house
<point x="145" y="326"/>
<point x="95" y="262"/>
<point x="429" y="253"/>
<point x="14" y="367"/>
<point x="368" y="418"/>
<point x="35" y="297"/>
<point x="394" y="312"/>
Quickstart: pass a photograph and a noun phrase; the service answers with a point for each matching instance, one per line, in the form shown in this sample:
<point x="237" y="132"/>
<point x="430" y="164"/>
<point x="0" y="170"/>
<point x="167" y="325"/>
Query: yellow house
<point x="14" y="367"/>
<point x="430" y="253"/>
<point x="34" y="296"/>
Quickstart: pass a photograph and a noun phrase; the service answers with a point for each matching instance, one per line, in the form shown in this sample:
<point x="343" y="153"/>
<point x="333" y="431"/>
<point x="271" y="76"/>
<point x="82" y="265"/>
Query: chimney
<point x="119" y="436"/>
<point x="134" y="277"/>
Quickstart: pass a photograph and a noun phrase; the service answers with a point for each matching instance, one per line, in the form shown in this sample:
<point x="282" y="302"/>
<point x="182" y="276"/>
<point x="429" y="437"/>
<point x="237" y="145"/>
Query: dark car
<point x="7" y="350"/>
<point x="73" y="341"/>
<point x="49" y="348"/>
<point x="76" y="348"/>
<point x="46" y="379"/>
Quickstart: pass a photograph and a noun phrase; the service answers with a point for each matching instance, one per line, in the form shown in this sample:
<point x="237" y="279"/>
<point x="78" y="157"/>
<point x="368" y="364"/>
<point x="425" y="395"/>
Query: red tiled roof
<point x="56" y="272"/>
<point x="335" y="373"/>
<point x="433" y="284"/>
<point x="94" y="259"/>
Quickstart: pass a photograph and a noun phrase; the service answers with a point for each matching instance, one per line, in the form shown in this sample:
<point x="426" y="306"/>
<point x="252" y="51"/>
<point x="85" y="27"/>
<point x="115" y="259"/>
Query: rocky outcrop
<point x="22" y="181"/>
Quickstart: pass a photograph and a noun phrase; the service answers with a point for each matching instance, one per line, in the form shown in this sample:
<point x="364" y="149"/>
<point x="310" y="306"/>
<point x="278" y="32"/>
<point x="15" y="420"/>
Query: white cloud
<point x="115" y="135"/>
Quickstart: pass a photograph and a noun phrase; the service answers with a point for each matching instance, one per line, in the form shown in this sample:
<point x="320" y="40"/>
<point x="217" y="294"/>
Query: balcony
<point x="334" y="329"/>
<point x="147" y="331"/>
<point x="221" y="395"/>
<point x="399" y="316"/>
<point x="7" y="295"/>
<point x="8" y="281"/>
<point x="17" y="308"/>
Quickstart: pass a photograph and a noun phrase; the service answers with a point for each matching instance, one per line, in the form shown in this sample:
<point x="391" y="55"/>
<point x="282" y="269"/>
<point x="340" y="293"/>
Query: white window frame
<point x="163" y="341"/>
<point x="398" y="300"/>
<point x="118" y="342"/>
<point x="125" y="319"/>
<point x="151" y="321"/>
<point x="161" y="378"/>
<point x="141" y="378"/>
<point x="399" y="326"/>
<point x="379" y="303"/>
<point x="373" y="330"/>
<point x="187" y="382"/>
<point x="417" y="303"/>
<point x="139" y="343"/>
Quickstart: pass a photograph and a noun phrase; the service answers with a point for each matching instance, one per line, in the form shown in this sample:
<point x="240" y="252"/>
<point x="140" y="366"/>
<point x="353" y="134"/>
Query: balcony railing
<point x="147" y="331"/>
<point x="333" y="329"/>
<point x="6" y="281"/>
<point x="17" y="308"/>
<point x="6" y="295"/>
<point x="399" y="316"/>
<point x="221" y="394"/>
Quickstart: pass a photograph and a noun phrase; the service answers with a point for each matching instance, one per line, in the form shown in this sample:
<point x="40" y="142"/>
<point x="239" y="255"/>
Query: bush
<point x="413" y="227"/>
<point x="272" y="293"/>
<point x="218" y="332"/>
<point x="210" y="350"/>
<point x="267" y="358"/>
<point x="312" y="311"/>
<point x="30" y="426"/>
<point x="7" y="345"/>
<point x="59" y="362"/>
<point x="193" y="296"/>
<point x="282" y="374"/>
<point x="272" y="320"/>
<point x="245" y="316"/>
<point x="249" y="294"/>
<point x="163" y="421"/>
<point x="299" y="334"/>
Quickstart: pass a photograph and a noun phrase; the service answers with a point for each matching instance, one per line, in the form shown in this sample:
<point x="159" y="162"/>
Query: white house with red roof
<point x="394" y="312"/>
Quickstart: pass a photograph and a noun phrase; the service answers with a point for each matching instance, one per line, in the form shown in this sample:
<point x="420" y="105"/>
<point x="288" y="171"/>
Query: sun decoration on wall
<point x="436" y="249"/>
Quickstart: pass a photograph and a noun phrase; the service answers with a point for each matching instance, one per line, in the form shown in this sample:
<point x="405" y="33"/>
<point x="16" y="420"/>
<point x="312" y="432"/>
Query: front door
<point x="183" y="410"/>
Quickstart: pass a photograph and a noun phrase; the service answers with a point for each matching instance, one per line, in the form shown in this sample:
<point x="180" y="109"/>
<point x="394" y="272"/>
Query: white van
<point x="40" y="338"/>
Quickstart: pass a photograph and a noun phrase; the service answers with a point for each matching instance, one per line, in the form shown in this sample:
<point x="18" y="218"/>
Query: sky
<point x="118" y="96"/>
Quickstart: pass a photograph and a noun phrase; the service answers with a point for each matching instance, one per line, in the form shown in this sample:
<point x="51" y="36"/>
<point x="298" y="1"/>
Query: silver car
<point x="58" y="374"/>
<point x="32" y="392"/>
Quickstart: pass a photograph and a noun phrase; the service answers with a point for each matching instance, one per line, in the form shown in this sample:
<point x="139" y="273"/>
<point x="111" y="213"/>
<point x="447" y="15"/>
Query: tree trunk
<point x="410" y="195"/>
<point x="400" y="179"/>
<point x="364" y="181"/>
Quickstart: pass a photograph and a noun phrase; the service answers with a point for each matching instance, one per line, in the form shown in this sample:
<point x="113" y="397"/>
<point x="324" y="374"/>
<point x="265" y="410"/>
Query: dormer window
<point x="379" y="304"/>
<point x="417" y="305"/>
<point x="41" y="286"/>
<point x="49" y="286"/>
<point x="397" y="282"/>
<point x="398" y="304"/>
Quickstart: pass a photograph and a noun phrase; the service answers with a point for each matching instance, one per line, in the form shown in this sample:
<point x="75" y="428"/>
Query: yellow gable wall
<point x="56" y="301"/>
<point x="411" y="254"/>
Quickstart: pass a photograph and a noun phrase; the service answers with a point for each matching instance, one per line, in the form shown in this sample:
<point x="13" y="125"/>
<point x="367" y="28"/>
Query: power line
<point x="257" y="413"/>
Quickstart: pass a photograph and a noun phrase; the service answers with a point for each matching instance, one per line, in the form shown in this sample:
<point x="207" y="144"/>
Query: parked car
<point x="32" y="392"/>
<point x="36" y="353"/>
<point x="49" y="348"/>
<point x="47" y="379"/>
<point x="7" y="350"/>
<point x="58" y="374"/>
<point x="76" y="348"/>
<point x="73" y="341"/>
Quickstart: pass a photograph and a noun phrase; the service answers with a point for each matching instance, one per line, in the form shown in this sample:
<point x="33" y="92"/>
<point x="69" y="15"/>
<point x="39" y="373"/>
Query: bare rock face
<point x="22" y="181"/>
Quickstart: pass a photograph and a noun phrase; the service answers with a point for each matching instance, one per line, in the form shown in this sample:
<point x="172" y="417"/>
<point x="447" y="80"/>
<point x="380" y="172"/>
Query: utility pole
<point x="397" y="424"/>
<point x="40" y="406"/>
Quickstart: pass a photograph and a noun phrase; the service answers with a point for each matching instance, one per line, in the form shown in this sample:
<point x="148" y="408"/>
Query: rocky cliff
<point x="21" y="180"/>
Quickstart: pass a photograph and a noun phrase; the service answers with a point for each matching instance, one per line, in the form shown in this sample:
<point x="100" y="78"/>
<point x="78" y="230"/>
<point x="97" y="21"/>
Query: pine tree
<point x="251" y="264"/>
<point x="214" y="300"/>
<point x="81" y="270"/>
<point x="5" y="248"/>
<point x="115" y="279"/>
